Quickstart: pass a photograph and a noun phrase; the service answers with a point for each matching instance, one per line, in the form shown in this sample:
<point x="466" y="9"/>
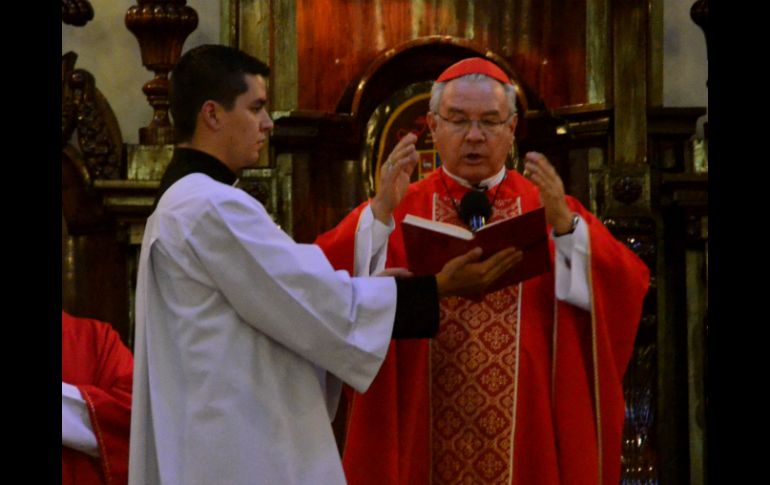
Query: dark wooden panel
<point x="94" y="278"/>
<point x="563" y="74"/>
<point x="543" y="40"/>
<point x="336" y="40"/>
<point x="94" y="256"/>
<point x="326" y="172"/>
<point x="630" y="81"/>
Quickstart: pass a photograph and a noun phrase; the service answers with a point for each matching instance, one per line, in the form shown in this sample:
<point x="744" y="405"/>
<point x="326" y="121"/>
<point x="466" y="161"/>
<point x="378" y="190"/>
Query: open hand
<point x="464" y="276"/>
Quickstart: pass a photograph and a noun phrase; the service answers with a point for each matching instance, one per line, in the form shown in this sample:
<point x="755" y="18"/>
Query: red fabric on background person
<point x="96" y="361"/>
<point x="559" y="427"/>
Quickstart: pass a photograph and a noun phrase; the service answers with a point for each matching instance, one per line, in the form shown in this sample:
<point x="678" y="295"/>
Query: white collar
<point x="487" y="183"/>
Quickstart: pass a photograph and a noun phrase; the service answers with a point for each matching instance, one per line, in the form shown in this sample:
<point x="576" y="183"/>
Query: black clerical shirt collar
<point x="188" y="160"/>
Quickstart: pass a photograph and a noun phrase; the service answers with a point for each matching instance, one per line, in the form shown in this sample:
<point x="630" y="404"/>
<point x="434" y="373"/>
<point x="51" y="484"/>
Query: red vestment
<point x="96" y="361"/>
<point x="507" y="390"/>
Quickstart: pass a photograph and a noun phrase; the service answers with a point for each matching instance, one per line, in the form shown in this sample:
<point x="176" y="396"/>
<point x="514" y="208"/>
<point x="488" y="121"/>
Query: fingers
<point x="404" y="147"/>
<point x="539" y="162"/>
<point x="499" y="263"/>
<point x="410" y="162"/>
<point x="540" y="170"/>
<point x="552" y="195"/>
<point x="404" y="154"/>
<point x="502" y="260"/>
<point x="395" y="174"/>
<point x="464" y="275"/>
<point x="455" y="278"/>
<point x="406" y="164"/>
<point x="409" y="140"/>
<point x="544" y="176"/>
<point x="464" y="259"/>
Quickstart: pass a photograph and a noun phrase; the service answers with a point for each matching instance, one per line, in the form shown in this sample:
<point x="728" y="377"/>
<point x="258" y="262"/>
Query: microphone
<point x="475" y="209"/>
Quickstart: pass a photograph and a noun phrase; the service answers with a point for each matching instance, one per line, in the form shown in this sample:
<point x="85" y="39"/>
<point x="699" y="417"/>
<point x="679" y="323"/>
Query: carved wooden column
<point x="161" y="26"/>
<point x="94" y="283"/>
<point x="624" y="188"/>
<point x="681" y="200"/>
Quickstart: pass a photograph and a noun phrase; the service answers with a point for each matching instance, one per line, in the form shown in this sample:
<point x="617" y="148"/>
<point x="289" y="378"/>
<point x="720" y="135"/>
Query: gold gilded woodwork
<point x="630" y="83"/>
<point x="284" y="65"/>
<point x="655" y="57"/>
<point x="598" y="57"/>
<point x="147" y="162"/>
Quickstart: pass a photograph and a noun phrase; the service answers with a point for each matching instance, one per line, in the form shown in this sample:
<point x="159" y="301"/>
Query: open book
<point x="430" y="244"/>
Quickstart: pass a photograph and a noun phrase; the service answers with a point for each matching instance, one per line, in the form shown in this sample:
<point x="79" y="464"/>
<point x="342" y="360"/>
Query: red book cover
<point x="430" y="244"/>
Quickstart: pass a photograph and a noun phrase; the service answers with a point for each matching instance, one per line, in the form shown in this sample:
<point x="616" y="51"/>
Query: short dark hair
<point x="208" y="72"/>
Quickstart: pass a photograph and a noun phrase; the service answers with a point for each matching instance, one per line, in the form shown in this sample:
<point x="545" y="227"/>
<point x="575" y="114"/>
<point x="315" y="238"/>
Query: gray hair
<point x="438" y="89"/>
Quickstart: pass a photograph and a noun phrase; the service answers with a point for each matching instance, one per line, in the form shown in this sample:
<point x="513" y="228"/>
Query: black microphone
<point x="475" y="209"/>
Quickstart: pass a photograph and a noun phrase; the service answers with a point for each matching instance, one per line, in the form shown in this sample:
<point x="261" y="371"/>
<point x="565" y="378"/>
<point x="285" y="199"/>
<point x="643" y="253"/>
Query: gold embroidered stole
<point x="473" y="377"/>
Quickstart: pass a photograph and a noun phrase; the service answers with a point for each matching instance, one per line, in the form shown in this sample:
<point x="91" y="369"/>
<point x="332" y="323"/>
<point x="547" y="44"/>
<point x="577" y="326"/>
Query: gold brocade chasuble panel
<point x="473" y="376"/>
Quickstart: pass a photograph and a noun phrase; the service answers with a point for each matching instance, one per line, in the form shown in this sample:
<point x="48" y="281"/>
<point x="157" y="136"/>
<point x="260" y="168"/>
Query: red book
<point x="430" y="244"/>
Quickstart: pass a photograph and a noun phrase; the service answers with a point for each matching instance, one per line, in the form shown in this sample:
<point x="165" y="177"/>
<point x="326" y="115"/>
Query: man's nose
<point x="474" y="131"/>
<point x="267" y="123"/>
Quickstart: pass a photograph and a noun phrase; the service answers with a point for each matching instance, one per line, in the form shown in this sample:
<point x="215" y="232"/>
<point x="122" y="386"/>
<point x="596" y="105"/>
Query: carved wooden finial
<point x="699" y="12"/>
<point x="76" y="12"/>
<point x="161" y="26"/>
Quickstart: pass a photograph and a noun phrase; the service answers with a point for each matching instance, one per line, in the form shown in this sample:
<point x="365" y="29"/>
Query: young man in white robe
<point x="244" y="337"/>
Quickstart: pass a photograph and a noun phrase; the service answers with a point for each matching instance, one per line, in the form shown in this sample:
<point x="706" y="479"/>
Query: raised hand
<point x="394" y="178"/>
<point x="544" y="176"/>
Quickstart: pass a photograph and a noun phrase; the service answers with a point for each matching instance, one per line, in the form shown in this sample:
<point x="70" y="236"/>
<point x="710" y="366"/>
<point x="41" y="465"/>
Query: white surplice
<point x="242" y="338"/>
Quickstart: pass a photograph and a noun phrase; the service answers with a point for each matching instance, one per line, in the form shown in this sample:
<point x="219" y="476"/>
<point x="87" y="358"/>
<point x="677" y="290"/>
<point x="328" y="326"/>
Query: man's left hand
<point x="544" y="176"/>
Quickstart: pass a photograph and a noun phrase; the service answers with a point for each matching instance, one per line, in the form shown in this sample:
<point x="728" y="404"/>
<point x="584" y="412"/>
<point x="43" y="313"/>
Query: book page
<point x="441" y="227"/>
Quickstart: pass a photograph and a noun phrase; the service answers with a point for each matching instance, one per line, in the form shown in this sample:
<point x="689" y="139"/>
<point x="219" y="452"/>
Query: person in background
<point x="96" y="375"/>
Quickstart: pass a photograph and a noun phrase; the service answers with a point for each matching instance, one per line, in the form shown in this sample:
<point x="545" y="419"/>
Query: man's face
<point x="247" y="125"/>
<point x="473" y="152"/>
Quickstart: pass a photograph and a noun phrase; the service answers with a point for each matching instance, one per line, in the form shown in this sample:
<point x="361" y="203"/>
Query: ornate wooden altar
<point x="590" y="95"/>
<point x="590" y="83"/>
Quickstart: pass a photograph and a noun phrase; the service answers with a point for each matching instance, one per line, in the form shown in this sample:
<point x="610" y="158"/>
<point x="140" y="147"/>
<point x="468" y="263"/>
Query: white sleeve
<point x="572" y="267"/>
<point x="340" y="323"/>
<point x="371" y="244"/>
<point x="76" y="430"/>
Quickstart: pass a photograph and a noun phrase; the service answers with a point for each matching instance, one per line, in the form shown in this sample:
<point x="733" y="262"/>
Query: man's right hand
<point x="394" y="178"/>
<point x="464" y="276"/>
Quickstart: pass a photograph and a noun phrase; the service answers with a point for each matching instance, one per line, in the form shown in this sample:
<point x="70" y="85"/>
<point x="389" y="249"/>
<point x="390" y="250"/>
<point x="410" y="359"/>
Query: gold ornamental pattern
<point x="473" y="378"/>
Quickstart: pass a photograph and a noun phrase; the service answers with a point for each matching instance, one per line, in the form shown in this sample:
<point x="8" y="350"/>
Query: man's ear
<point x="431" y="119"/>
<point x="209" y="115"/>
<point x="514" y="120"/>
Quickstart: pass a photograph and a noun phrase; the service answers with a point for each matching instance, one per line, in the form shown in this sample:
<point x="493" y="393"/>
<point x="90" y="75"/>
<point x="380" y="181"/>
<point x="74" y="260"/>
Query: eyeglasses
<point x="487" y="126"/>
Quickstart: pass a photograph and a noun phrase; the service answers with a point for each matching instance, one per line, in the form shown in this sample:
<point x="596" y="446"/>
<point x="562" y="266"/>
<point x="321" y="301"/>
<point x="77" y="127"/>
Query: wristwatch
<point x="575" y="220"/>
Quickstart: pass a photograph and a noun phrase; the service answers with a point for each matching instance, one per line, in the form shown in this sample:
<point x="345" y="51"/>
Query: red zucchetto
<point x="473" y="65"/>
